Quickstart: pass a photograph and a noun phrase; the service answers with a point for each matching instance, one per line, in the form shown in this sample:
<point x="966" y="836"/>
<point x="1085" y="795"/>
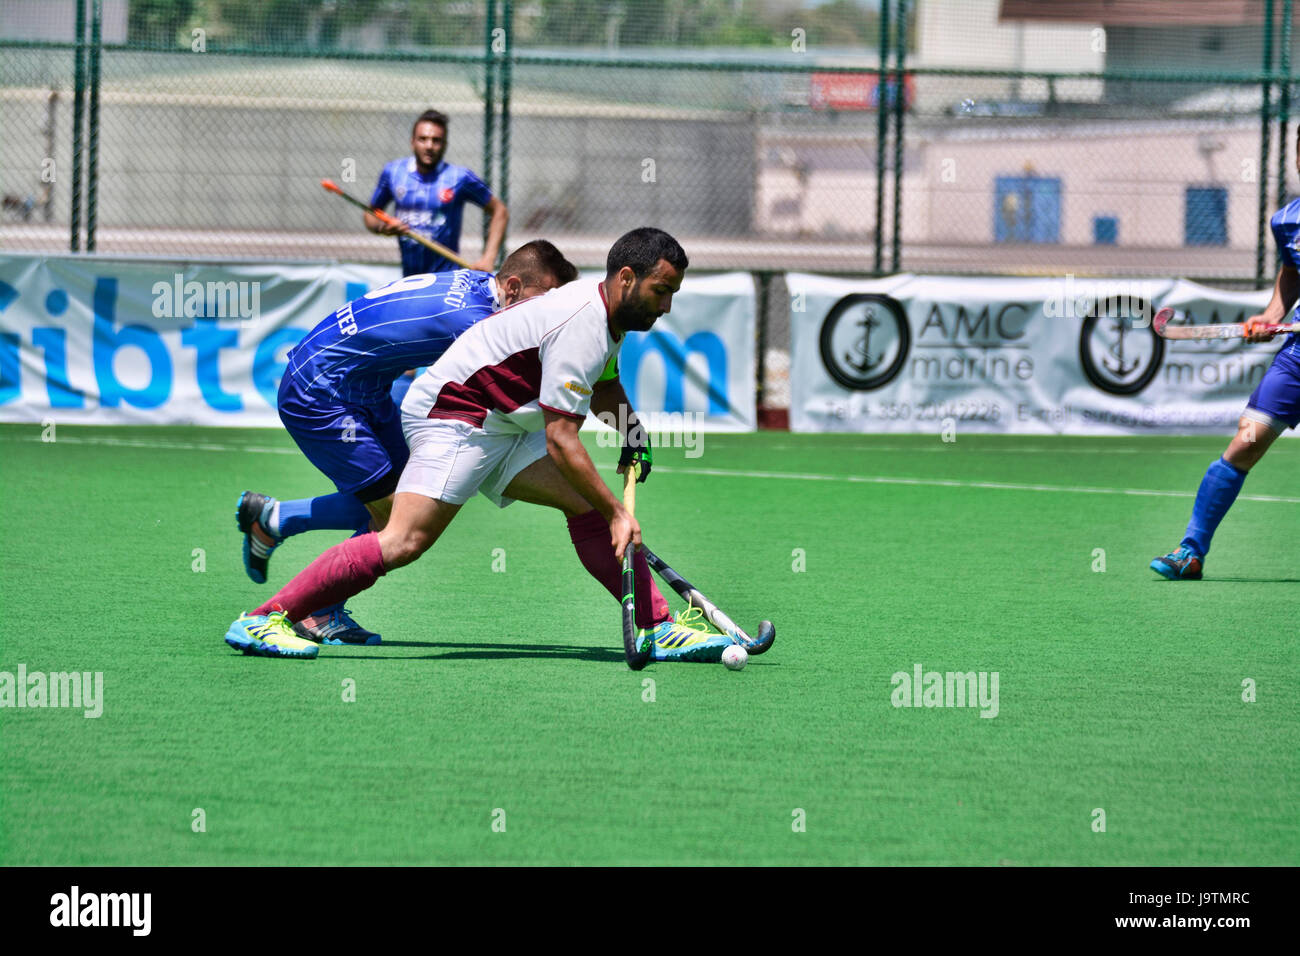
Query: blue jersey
<point x="353" y="357"/>
<point x="431" y="204"/>
<point x="1286" y="233"/>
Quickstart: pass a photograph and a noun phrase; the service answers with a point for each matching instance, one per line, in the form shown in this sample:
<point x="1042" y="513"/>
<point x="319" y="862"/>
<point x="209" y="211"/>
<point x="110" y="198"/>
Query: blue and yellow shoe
<point x="252" y="515"/>
<point x="686" y="640"/>
<point x="335" y="626"/>
<point x="1181" y="565"/>
<point x="268" y="635"/>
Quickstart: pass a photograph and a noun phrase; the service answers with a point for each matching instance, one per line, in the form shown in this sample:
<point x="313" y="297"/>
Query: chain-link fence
<point x="751" y="130"/>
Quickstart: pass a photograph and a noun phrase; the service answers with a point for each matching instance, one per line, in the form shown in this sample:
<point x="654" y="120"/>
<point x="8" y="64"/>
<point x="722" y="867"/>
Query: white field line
<point x="155" y="443"/>
<point x="707" y="472"/>
<point x="950" y="449"/>
<point x="950" y="483"/>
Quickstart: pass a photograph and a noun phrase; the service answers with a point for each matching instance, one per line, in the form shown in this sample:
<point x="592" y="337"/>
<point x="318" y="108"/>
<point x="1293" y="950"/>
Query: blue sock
<point x="338" y="511"/>
<point x="1218" y="491"/>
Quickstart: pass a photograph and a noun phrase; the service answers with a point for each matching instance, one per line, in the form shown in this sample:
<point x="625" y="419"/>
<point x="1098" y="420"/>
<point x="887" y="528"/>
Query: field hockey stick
<point x="1231" y="330"/>
<point x="693" y="596"/>
<point x="388" y="220"/>
<point x="636" y="658"/>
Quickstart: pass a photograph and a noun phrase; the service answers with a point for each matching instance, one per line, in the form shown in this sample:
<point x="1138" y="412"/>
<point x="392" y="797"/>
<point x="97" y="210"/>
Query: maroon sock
<point x="342" y="571"/>
<point x="590" y="534"/>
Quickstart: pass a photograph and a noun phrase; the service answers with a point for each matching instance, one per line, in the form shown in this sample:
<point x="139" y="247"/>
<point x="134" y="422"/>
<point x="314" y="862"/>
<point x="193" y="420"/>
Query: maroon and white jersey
<point x="546" y="352"/>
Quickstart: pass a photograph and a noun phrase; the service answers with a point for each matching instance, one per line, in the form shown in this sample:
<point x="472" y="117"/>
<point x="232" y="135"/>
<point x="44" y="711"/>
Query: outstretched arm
<point x="567" y="451"/>
<point x="1285" y="292"/>
<point x="608" y="399"/>
<point x="496" y="234"/>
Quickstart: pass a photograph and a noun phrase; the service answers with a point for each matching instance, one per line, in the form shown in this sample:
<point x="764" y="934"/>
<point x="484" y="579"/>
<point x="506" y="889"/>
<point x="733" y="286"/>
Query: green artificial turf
<point x="502" y="695"/>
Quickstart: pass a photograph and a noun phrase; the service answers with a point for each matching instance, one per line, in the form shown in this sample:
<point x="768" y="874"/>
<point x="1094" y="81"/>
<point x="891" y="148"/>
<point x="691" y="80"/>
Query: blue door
<point x="1027" y="209"/>
<point x="1205" y="216"/>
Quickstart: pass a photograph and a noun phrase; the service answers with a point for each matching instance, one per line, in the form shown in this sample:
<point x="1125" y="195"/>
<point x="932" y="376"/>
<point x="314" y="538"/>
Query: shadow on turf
<point x="487" y="652"/>
<point x="1221" y="580"/>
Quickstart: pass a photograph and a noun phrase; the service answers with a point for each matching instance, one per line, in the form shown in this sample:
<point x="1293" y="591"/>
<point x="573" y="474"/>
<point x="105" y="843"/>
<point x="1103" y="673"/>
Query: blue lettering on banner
<point x="10" y="379"/>
<point x="267" y="369"/>
<point x="107" y="341"/>
<point x="93" y="344"/>
<point x="54" y="343"/>
<point x="10" y="382"/>
<point x="673" y="351"/>
<point x="208" y="340"/>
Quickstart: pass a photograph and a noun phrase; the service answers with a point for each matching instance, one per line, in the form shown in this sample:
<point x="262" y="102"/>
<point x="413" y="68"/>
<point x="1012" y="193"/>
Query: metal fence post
<point x="882" y="133"/>
<point x="78" y="122"/>
<point x="1283" y="101"/>
<point x="504" y="190"/>
<point x="489" y="101"/>
<point x="1265" y="132"/>
<point x="900" y="56"/>
<point x="92" y="158"/>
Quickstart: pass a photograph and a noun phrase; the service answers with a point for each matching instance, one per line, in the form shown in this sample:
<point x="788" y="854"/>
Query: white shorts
<point x="451" y="460"/>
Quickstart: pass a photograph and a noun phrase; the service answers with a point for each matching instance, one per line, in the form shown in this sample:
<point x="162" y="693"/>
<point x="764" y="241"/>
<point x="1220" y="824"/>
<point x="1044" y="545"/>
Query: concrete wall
<point x="1137" y="173"/>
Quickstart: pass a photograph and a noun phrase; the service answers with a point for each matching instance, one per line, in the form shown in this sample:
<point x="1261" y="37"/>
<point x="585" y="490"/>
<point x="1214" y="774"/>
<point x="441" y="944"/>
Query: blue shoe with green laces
<point x="268" y="635"/>
<point x="686" y="639"/>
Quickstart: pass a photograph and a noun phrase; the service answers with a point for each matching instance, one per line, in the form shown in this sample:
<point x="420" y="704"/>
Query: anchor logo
<point x="862" y="347"/>
<point x="1120" y="368"/>
<point x="864" y="363"/>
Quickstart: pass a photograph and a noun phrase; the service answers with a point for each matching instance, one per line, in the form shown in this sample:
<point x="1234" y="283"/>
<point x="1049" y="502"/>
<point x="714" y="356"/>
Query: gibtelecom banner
<point x="89" y="340"/>
<point x="1034" y="356"/>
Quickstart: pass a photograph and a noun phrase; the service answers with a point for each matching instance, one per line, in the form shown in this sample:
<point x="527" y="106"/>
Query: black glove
<point x="636" y="449"/>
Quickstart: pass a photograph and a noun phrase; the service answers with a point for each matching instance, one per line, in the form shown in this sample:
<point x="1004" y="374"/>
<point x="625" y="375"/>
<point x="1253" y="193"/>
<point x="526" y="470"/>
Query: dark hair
<point x="431" y="116"/>
<point x="641" y="249"/>
<point x="535" y="261"/>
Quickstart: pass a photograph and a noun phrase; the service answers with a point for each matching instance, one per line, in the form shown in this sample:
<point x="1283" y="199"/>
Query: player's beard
<point x="635" y="316"/>
<point x="434" y="159"/>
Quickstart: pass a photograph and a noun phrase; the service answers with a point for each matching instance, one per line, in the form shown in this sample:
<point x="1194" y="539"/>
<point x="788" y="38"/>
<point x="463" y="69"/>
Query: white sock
<point x="272" y="524"/>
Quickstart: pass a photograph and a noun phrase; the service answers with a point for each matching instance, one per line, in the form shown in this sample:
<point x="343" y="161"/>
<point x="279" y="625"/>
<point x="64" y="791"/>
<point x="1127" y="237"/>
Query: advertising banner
<point x="88" y="340"/>
<point x="1033" y="356"/>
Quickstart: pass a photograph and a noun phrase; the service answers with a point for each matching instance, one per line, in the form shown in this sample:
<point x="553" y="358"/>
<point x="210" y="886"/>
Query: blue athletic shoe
<point x="682" y="640"/>
<point x="335" y="627"/>
<point x="254" y="511"/>
<point x="268" y="635"/>
<point x="1181" y="565"/>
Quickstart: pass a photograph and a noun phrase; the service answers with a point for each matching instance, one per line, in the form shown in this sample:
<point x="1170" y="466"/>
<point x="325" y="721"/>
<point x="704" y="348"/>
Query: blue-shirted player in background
<point x="1273" y="407"/>
<point x="429" y="197"/>
<point x="335" y="400"/>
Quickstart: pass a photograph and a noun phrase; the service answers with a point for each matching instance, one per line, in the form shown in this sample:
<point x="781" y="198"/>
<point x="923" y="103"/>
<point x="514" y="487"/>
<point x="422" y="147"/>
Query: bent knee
<point x="1249" y="445"/>
<point x="401" y="548"/>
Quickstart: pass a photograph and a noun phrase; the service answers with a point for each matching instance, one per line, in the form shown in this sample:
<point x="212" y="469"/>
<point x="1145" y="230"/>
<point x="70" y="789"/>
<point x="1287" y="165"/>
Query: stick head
<point x="764" y="639"/>
<point x="1162" y="319"/>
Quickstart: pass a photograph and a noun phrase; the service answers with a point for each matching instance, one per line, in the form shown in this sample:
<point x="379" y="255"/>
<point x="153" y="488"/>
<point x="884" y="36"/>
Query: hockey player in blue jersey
<point x="335" y="400"/>
<point x="1273" y="407"/>
<point x="429" y="197"/>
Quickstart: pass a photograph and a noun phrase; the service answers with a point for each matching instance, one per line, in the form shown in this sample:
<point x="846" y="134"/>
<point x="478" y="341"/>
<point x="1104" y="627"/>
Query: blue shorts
<point x="1276" y="400"/>
<point x="358" y="447"/>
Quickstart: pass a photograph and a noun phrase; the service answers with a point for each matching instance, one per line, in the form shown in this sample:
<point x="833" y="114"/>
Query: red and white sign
<point x="856" y="91"/>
